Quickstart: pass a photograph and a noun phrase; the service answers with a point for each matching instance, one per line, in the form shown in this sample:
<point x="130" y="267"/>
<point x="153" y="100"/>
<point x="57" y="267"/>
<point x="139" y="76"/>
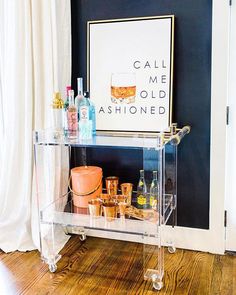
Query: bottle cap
<point x="67" y="90"/>
<point x="57" y="102"/>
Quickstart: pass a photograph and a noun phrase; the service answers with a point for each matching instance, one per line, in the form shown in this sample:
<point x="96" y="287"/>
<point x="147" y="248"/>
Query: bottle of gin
<point x="80" y="93"/>
<point x="154" y="191"/>
<point x="72" y="116"/>
<point x="92" y="115"/>
<point x="142" y="192"/>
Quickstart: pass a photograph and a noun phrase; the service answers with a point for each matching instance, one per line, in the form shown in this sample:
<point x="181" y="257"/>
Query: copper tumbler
<point x="112" y="185"/>
<point x="109" y="210"/>
<point x="121" y="200"/>
<point x="122" y="208"/>
<point x="104" y="197"/>
<point x="126" y="189"/>
<point x="95" y="207"/>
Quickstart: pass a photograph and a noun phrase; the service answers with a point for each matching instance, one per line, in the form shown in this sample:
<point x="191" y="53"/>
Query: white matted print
<point x="130" y="73"/>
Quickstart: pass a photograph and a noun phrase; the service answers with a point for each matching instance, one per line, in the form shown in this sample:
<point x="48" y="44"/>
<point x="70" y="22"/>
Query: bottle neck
<point x="154" y="175"/>
<point x="71" y="98"/>
<point x="141" y="174"/>
<point x="68" y="88"/>
<point x="71" y="101"/>
<point x="80" y="86"/>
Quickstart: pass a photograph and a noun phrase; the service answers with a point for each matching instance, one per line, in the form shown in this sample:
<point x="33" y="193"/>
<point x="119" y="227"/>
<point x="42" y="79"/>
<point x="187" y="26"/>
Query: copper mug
<point x="112" y="185"/>
<point x="119" y="198"/>
<point x="126" y="189"/>
<point x="121" y="201"/>
<point x="110" y="210"/>
<point x="104" y="197"/>
<point x="95" y="207"/>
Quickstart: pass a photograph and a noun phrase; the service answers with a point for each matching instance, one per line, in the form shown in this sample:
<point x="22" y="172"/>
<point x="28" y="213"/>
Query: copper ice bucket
<point x="86" y="184"/>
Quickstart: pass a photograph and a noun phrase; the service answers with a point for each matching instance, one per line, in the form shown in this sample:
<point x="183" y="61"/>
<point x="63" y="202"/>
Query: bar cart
<point x="57" y="217"/>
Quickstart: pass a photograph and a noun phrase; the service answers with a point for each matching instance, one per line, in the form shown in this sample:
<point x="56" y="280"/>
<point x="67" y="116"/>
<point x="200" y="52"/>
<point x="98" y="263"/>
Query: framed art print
<point x="130" y="73"/>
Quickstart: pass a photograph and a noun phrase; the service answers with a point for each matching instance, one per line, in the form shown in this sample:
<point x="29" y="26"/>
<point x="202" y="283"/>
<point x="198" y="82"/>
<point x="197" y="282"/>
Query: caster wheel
<point x="82" y="237"/>
<point x="52" y="267"/>
<point x="157" y="285"/>
<point x="171" y="249"/>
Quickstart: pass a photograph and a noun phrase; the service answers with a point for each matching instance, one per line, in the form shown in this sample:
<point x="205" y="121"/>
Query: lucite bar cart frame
<point x="57" y="218"/>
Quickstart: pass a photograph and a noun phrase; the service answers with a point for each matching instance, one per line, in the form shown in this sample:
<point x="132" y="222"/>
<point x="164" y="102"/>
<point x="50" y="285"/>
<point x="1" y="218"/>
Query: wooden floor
<point x="99" y="266"/>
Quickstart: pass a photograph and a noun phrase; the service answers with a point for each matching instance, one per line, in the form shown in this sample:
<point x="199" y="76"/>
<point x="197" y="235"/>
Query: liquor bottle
<point x="154" y="191"/>
<point x="85" y="122"/>
<point x="92" y="115"/>
<point x="66" y="104"/>
<point x="79" y="96"/>
<point x="57" y="105"/>
<point x="142" y="192"/>
<point x="72" y="116"/>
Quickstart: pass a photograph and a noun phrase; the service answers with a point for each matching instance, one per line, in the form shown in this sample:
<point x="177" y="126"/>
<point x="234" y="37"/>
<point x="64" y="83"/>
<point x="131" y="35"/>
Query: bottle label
<point x="152" y="198"/>
<point x="84" y="113"/>
<point x="72" y="121"/>
<point x="141" y="200"/>
<point x="153" y="201"/>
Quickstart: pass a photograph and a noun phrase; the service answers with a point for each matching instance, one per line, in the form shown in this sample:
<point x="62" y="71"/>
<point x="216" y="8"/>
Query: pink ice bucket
<point x="86" y="184"/>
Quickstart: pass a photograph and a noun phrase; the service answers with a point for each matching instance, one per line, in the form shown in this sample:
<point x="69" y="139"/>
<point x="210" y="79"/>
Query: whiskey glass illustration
<point x="123" y="88"/>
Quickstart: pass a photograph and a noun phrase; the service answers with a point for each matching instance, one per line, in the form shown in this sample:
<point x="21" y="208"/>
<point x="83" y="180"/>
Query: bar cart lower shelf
<point x="58" y="220"/>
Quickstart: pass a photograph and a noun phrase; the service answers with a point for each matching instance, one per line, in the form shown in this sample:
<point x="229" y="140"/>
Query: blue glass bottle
<point x="92" y="114"/>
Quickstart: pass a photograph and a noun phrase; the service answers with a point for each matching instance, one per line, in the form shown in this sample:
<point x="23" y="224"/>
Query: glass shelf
<point x="60" y="212"/>
<point x="102" y="139"/>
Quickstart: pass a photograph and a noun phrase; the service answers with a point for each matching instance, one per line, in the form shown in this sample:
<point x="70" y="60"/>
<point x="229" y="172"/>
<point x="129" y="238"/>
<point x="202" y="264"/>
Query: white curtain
<point x="35" y="60"/>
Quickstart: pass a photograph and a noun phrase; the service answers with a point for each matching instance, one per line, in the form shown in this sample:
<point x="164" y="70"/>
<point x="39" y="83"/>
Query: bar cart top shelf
<point x="106" y="139"/>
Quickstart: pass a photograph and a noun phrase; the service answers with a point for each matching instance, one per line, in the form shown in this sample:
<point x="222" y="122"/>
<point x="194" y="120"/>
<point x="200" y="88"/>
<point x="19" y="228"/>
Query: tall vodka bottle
<point x="80" y="93"/>
<point x="85" y="123"/>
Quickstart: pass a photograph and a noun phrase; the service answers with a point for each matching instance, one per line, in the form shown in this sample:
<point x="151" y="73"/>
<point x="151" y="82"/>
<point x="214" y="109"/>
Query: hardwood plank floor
<point x="100" y="266"/>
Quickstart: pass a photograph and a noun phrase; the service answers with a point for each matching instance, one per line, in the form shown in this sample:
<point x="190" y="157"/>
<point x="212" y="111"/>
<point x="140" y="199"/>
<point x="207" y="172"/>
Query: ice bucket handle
<point x="83" y="194"/>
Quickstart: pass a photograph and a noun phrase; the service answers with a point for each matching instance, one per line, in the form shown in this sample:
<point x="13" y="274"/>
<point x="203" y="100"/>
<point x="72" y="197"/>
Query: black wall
<point x="192" y="88"/>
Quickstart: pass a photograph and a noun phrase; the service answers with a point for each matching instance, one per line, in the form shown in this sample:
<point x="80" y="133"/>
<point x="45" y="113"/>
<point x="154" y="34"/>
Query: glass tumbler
<point x="123" y="88"/>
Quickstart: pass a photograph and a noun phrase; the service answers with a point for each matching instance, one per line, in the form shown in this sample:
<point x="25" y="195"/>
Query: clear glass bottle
<point x="154" y="191"/>
<point x="57" y="106"/>
<point x="141" y="192"/>
<point x="66" y="104"/>
<point x="80" y="93"/>
<point x="83" y="109"/>
<point x="92" y="115"/>
<point x="72" y="116"/>
<point x="85" y="122"/>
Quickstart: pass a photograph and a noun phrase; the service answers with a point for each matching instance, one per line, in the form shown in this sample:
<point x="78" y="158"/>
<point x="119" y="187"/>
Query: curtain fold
<point x="30" y="71"/>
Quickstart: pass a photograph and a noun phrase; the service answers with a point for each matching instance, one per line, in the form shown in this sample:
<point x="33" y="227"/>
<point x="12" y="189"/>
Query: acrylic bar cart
<point x="56" y="211"/>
